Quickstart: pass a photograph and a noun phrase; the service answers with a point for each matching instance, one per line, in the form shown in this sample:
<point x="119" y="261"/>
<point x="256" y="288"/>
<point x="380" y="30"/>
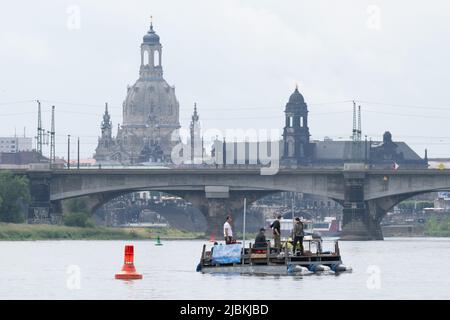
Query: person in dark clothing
<point x="298" y="235"/>
<point x="260" y="240"/>
<point x="276" y="227"/>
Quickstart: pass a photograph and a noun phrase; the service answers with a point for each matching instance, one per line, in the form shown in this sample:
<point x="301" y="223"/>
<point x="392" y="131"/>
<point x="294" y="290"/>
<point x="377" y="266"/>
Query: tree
<point x="77" y="205"/>
<point x="14" y="193"/>
<point x="78" y="219"/>
<point x="77" y="213"/>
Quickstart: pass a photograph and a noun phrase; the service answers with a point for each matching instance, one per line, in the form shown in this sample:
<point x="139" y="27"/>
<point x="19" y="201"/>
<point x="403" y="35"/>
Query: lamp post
<point x="78" y="154"/>
<point x="68" y="151"/>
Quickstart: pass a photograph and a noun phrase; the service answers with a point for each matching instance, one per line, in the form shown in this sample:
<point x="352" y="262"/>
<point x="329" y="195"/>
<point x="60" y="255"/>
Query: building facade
<point x="150" y="114"/>
<point x="15" y="144"/>
<point x="297" y="149"/>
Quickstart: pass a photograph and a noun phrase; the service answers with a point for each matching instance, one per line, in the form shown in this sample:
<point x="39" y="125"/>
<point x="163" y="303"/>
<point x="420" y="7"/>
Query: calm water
<point x="397" y="268"/>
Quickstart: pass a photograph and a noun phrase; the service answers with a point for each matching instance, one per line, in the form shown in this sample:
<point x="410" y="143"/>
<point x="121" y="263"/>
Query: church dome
<point x="151" y="37"/>
<point x="296" y="103"/>
<point x="151" y="101"/>
<point x="296" y="97"/>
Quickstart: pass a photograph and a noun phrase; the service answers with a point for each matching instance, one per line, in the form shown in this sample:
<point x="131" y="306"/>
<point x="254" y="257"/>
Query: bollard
<point x="158" y="241"/>
<point x="128" y="270"/>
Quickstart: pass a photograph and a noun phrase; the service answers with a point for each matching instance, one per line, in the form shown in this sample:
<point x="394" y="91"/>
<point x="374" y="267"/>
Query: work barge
<point x="251" y="260"/>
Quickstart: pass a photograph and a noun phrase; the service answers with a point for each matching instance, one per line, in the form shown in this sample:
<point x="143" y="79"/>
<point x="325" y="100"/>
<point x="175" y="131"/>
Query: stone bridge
<point x="366" y="194"/>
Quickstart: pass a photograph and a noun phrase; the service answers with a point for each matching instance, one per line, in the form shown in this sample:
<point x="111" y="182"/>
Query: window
<point x="146" y="58"/>
<point x="156" y="58"/>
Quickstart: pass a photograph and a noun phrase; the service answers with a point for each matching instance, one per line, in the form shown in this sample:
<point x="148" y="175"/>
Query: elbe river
<point x="396" y="268"/>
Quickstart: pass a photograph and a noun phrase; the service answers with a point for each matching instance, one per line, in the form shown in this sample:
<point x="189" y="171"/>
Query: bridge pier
<point x="41" y="209"/>
<point x="362" y="218"/>
<point x="216" y="210"/>
<point x="361" y="223"/>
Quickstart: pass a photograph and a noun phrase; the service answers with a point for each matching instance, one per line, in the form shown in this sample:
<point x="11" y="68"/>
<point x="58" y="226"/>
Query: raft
<point x="234" y="258"/>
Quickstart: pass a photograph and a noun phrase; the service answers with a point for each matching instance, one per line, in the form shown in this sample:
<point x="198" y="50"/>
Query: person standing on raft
<point x="227" y="231"/>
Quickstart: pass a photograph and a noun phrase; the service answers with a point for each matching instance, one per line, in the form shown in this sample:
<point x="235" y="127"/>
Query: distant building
<point x="442" y="202"/>
<point x="22" y="157"/>
<point x="150" y="115"/>
<point x="296" y="148"/>
<point x="15" y="144"/>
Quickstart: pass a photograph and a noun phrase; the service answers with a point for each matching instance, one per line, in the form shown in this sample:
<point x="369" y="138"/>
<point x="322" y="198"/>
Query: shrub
<point x="78" y="219"/>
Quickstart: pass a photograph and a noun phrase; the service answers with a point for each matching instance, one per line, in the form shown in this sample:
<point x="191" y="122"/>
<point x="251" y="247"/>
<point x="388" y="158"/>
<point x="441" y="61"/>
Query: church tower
<point x="195" y="140"/>
<point x="150" y="113"/>
<point x="106" y="125"/>
<point x="297" y="148"/>
<point x="106" y="141"/>
<point x="151" y="59"/>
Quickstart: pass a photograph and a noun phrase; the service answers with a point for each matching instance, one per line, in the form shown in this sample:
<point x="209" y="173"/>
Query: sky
<point x="238" y="60"/>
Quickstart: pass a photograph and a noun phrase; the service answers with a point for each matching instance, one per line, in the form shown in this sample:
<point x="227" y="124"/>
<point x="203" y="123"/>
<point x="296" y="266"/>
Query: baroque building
<point x="150" y="114"/>
<point x="296" y="149"/>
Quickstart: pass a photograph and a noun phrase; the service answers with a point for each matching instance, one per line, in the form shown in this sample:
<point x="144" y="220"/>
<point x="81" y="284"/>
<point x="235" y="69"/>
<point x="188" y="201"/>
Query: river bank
<point x="20" y="232"/>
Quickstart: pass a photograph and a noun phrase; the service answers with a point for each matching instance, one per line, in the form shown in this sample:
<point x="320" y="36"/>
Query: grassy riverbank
<point x="11" y="231"/>
<point x="438" y="227"/>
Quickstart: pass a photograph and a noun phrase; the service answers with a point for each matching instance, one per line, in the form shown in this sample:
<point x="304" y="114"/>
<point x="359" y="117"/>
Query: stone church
<point x="148" y="133"/>
<point x="150" y="115"/>
<point x="297" y="149"/>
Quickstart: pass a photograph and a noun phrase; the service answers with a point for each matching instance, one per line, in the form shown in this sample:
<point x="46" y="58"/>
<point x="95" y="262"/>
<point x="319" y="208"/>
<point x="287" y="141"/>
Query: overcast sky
<point x="239" y="60"/>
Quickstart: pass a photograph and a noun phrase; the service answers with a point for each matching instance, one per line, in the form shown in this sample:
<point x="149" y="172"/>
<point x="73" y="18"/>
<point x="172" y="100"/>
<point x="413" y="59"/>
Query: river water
<point x="396" y="268"/>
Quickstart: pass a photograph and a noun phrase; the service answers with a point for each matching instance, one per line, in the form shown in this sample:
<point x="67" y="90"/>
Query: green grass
<point x="11" y="231"/>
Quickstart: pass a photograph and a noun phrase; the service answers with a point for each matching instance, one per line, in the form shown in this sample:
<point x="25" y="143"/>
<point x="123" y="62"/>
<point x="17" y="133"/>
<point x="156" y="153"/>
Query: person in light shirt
<point x="227" y="232"/>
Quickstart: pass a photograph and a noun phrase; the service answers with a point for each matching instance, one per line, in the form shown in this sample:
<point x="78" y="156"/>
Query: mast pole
<point x="243" y="233"/>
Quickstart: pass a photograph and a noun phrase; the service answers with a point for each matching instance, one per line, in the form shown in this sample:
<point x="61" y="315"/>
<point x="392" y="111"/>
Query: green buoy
<point x="158" y="241"/>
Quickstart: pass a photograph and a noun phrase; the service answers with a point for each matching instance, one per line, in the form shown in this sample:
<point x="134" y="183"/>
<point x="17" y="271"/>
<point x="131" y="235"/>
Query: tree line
<point x="15" y="198"/>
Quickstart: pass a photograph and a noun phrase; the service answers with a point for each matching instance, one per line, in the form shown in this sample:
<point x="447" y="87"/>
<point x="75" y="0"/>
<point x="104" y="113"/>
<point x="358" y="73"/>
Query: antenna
<point x="39" y="129"/>
<point x="359" y="123"/>
<point x="52" y="138"/>
<point x="354" y="134"/>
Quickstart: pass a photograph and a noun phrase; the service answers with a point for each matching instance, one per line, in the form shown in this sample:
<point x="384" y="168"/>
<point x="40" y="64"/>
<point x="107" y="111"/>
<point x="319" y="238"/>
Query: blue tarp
<point x="230" y="253"/>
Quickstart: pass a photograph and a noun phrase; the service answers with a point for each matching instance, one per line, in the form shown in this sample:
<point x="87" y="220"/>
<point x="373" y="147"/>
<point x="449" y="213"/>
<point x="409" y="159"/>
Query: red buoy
<point x="128" y="270"/>
<point x="212" y="238"/>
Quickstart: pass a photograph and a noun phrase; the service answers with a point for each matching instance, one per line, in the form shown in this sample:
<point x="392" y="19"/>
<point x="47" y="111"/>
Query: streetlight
<point x="68" y="151"/>
<point x="78" y="154"/>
